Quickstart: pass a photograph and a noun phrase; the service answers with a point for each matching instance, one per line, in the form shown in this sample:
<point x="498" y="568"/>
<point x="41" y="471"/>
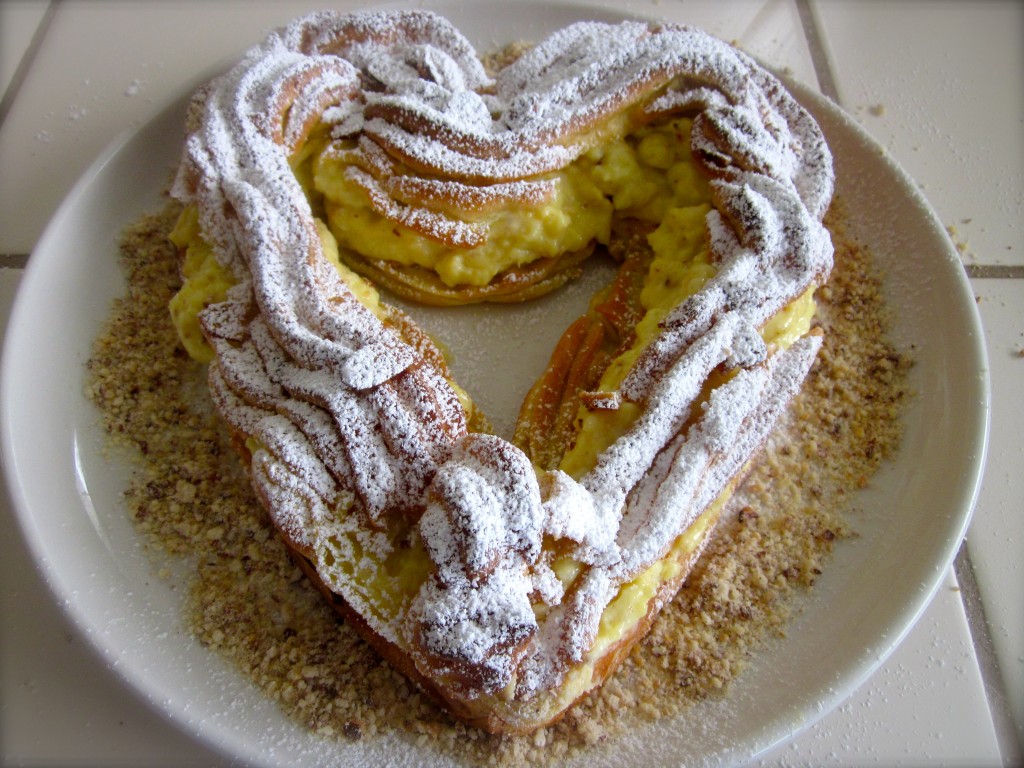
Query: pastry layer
<point x="506" y="582"/>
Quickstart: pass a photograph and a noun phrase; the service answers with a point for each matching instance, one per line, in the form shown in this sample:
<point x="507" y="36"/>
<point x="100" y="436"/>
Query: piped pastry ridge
<point x="506" y="586"/>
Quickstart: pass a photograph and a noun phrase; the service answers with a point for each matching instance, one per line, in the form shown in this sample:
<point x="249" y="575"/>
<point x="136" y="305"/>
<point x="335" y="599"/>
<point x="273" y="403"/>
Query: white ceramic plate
<point x="67" y="492"/>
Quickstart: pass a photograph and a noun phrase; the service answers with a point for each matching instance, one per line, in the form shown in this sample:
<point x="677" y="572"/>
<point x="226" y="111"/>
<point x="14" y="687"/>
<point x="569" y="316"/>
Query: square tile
<point x="941" y="86"/>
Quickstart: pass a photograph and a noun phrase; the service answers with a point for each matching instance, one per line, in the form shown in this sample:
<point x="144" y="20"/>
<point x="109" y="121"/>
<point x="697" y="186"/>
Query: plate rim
<point x="84" y="624"/>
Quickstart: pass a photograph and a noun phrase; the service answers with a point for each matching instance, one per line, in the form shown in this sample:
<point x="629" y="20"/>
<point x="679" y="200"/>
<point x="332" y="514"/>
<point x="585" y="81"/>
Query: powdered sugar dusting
<point x="352" y="429"/>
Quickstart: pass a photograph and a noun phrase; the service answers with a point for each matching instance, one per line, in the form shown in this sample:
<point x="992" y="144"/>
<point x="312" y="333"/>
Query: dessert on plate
<point x="507" y="577"/>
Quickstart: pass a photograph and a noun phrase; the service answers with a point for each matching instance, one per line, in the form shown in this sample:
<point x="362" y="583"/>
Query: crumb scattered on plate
<point x="247" y="602"/>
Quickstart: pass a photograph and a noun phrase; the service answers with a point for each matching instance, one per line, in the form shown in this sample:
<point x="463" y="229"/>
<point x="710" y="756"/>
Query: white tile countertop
<point x="939" y="84"/>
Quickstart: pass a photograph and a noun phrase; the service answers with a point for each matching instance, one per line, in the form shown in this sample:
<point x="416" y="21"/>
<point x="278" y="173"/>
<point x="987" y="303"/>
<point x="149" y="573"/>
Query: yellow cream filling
<point x="641" y="175"/>
<point x="386" y="586"/>
<point x="646" y="174"/>
<point x="205" y="282"/>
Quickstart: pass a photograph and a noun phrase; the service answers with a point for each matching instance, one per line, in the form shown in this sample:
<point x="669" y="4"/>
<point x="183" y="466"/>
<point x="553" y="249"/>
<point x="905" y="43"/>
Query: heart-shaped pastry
<point x="506" y="578"/>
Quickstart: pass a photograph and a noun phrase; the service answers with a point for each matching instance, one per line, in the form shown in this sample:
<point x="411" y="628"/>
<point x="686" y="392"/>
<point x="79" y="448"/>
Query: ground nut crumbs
<point x="246" y="599"/>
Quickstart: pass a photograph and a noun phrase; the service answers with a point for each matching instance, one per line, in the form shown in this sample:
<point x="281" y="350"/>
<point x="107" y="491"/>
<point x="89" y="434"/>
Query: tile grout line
<point x="820" y="60"/>
<point x="988" y="661"/>
<point x="26" y="60"/>
<point x="994" y="271"/>
<point x="13" y="260"/>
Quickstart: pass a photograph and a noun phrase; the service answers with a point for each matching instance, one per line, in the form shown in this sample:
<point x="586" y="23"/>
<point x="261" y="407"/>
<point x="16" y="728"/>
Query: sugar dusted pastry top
<point x="359" y="443"/>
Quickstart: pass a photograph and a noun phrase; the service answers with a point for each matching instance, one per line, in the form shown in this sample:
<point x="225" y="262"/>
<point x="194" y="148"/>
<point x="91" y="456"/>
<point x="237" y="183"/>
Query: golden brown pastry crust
<point x="356" y="441"/>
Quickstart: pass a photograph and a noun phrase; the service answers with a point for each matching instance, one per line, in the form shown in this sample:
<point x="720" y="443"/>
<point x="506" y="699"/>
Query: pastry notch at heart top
<point x="506" y="588"/>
